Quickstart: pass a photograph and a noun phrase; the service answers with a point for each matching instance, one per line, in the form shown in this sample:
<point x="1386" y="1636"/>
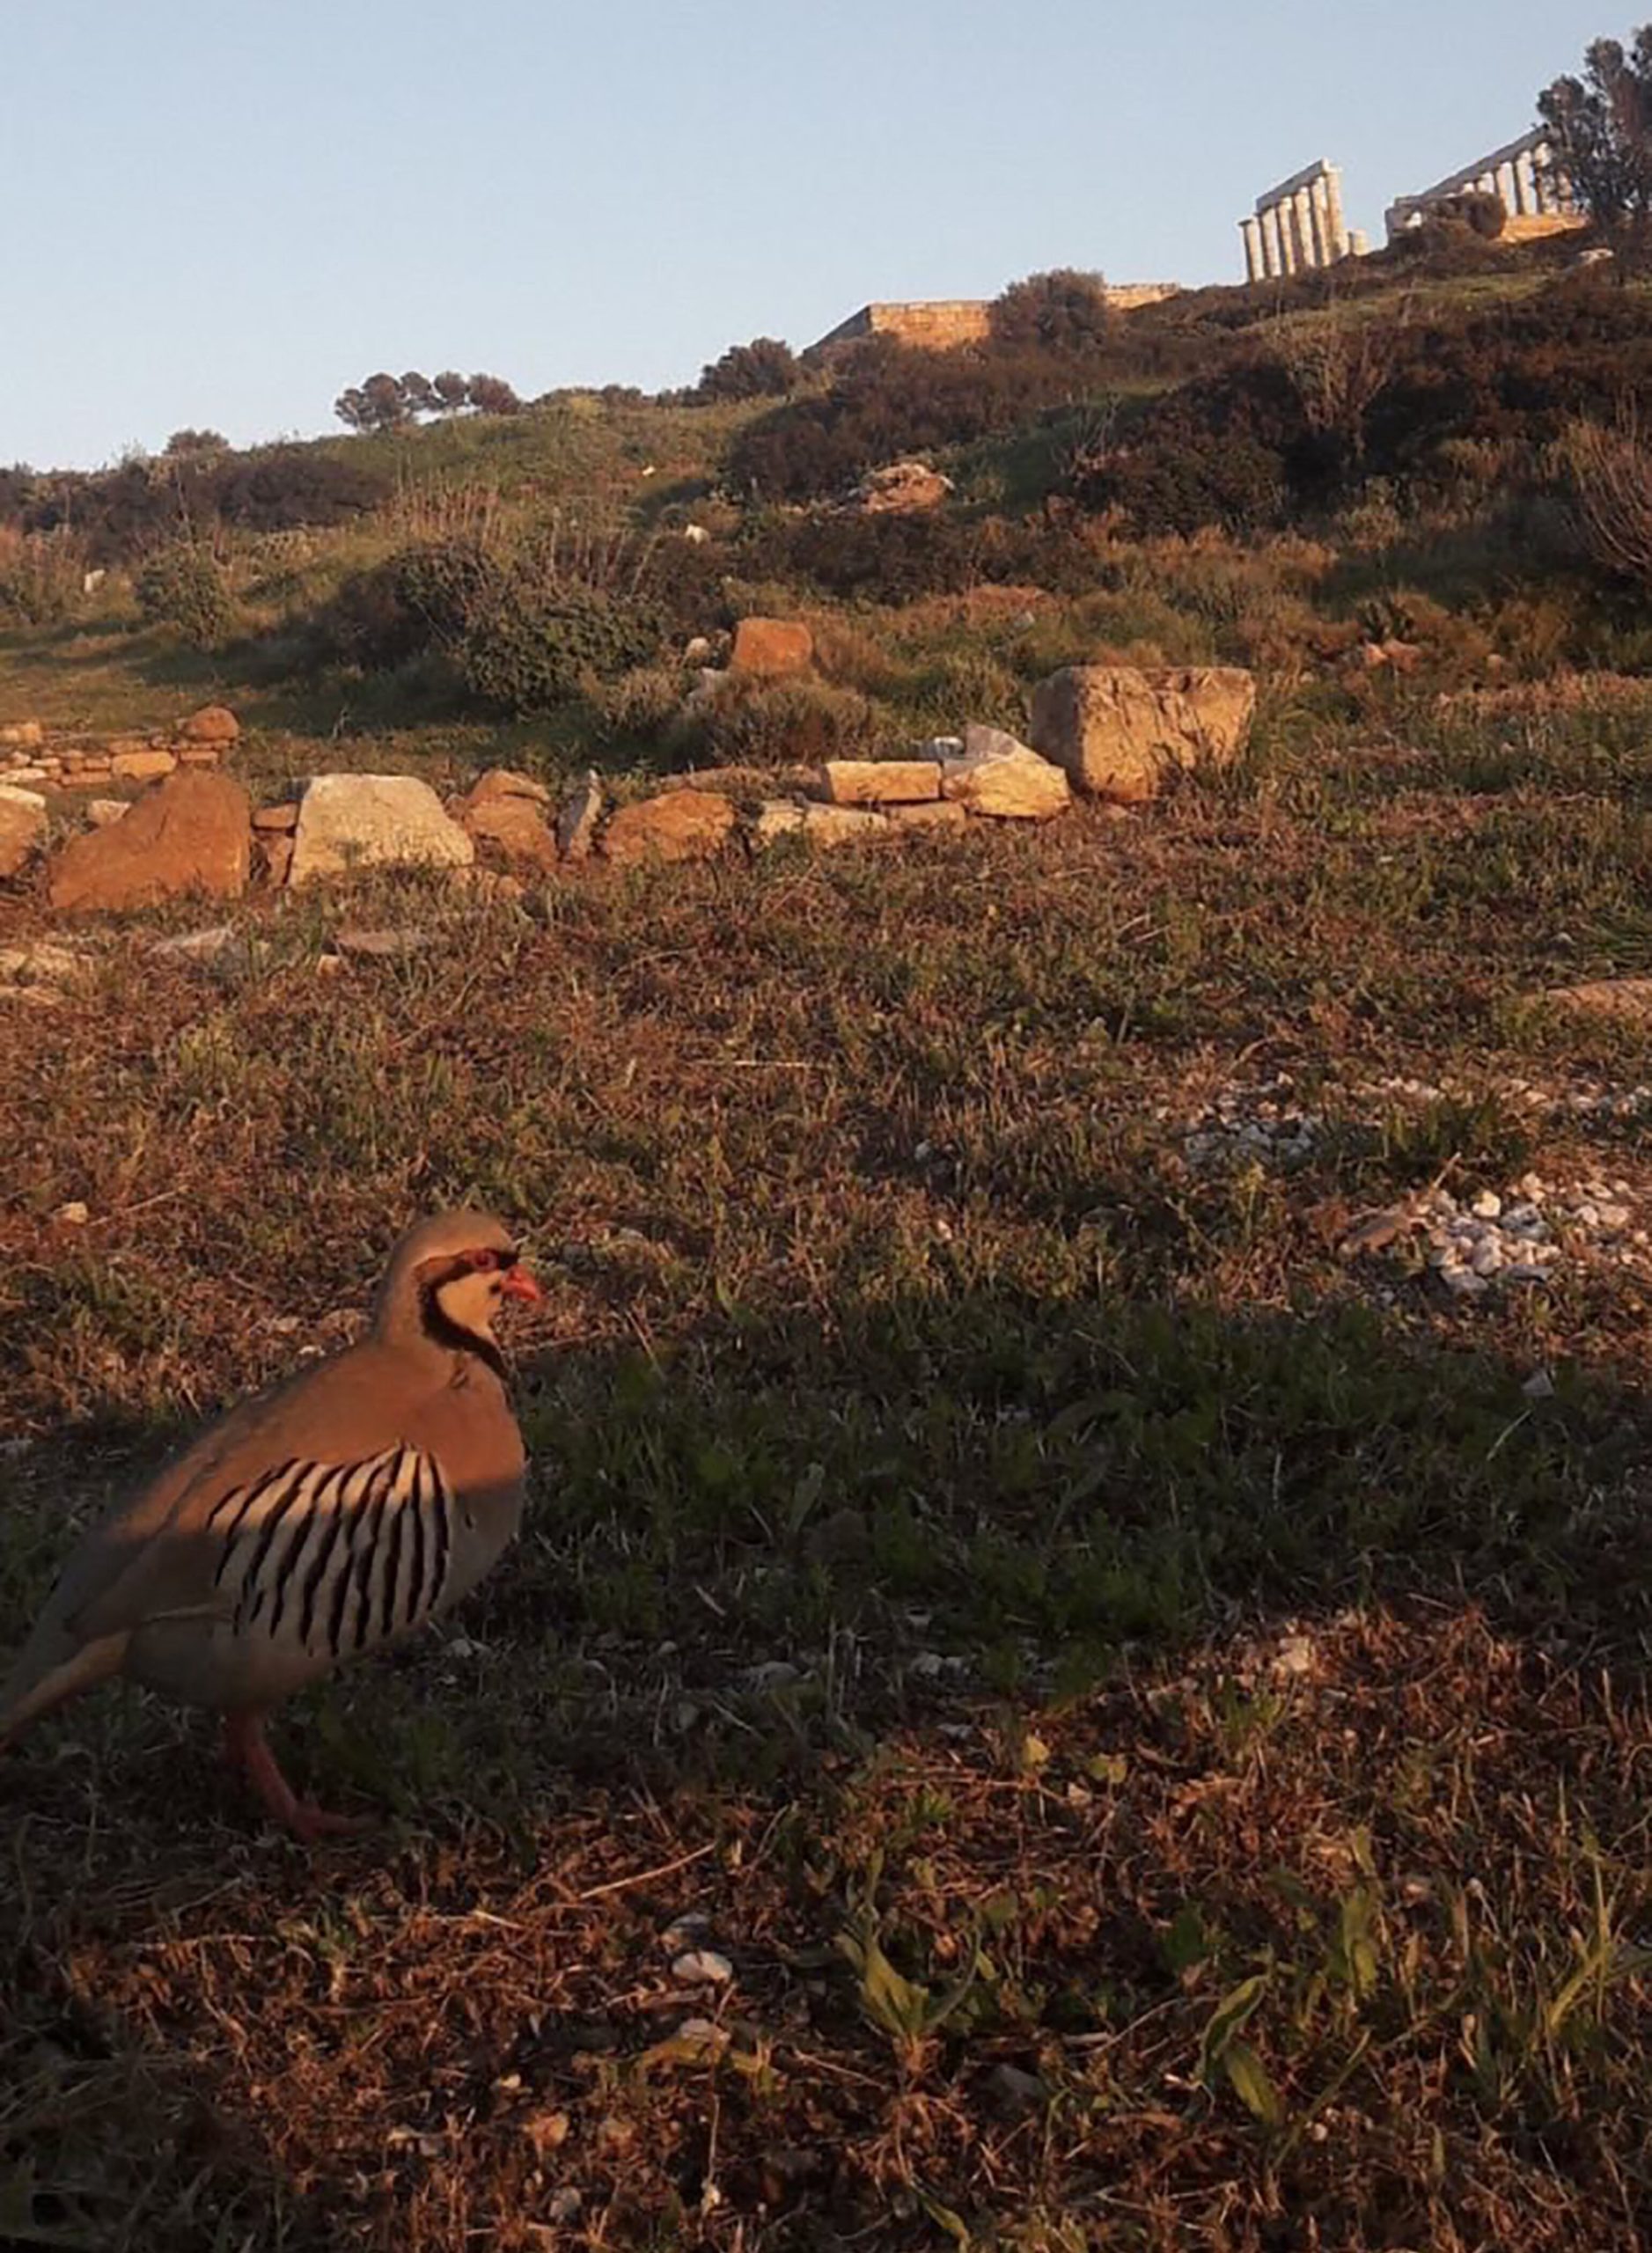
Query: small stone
<point x="771" y="1674"/>
<point x="677" y="825"/>
<point x="515" y="828"/>
<point x="996" y="776"/>
<point x="1488" y="1205"/>
<point x="1615" y="1217"/>
<point x="386" y="945"/>
<point x="213" y="949"/>
<point x="22" y="828"/>
<point x="101" y="812"/>
<point x="685" y="1930"/>
<point x="564" y="2203"/>
<point x="506" y="782"/>
<point x="776" y="817"/>
<point x="75" y="1215"/>
<point x="275" y="853"/>
<point x="1015" y="2091"/>
<point x="942" y="813"/>
<point x="770" y="648"/>
<point x="1374" y="1235"/>
<point x="577" y="816"/>
<point x="702" y="1967"/>
<point x="1463" y="1283"/>
<point x="1487" y="1258"/>
<point x="213" y="723"/>
<point x="1539" y="1386"/>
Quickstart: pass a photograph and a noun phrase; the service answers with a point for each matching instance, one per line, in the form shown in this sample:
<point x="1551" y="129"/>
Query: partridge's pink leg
<point x="248" y="1750"/>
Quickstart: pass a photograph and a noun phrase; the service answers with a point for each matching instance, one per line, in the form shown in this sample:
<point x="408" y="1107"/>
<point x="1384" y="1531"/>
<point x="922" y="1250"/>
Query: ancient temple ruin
<point x="1298" y="226"/>
<point x="1524" y="177"/>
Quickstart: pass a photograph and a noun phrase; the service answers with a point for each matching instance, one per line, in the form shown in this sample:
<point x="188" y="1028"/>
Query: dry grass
<point x="1154" y="1713"/>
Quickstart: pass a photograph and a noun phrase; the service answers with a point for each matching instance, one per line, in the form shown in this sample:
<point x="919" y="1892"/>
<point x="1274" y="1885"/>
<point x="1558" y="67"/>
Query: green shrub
<point x="777" y="723"/>
<point x="1063" y="311"/>
<point x="186" y="590"/>
<point x="533" y="646"/>
<point x="764" y="369"/>
<point x="421" y="598"/>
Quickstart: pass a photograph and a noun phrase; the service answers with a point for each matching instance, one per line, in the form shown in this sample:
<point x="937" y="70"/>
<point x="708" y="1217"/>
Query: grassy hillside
<point x="1141" y="1681"/>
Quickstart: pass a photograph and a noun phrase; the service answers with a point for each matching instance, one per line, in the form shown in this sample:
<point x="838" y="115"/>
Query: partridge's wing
<point x="323" y="1557"/>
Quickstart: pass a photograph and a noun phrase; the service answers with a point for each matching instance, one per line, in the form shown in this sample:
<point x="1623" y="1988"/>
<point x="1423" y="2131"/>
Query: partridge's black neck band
<point x="442" y="1331"/>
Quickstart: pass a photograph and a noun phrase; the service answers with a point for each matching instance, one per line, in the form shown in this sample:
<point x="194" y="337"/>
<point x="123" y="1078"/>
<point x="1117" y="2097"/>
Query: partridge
<point x="337" y="1513"/>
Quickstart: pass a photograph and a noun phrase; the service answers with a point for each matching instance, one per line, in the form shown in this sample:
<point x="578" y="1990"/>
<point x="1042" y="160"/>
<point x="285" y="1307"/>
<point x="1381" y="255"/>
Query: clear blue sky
<point x="222" y="211"/>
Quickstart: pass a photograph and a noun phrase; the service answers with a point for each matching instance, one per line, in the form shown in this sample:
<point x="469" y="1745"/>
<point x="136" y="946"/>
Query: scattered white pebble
<point x="702" y="1967"/>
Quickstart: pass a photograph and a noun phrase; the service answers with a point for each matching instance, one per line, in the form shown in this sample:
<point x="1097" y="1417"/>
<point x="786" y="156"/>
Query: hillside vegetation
<point x="1142" y="1683"/>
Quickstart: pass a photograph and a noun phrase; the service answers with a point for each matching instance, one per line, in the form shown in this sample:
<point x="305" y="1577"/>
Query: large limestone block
<point x="22" y="827"/>
<point x="680" y="825"/>
<point x="1118" y="729"/>
<point x="143" y="765"/>
<point x="362" y="821"/>
<point x="768" y="649"/>
<point x="190" y="833"/>
<point x="997" y="775"/>
<point x="824" y="825"/>
<point x="882" y="781"/>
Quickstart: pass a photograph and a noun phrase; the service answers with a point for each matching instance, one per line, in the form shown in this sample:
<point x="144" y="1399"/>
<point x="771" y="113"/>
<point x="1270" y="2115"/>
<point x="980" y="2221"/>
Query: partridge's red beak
<point x="519" y="1284"/>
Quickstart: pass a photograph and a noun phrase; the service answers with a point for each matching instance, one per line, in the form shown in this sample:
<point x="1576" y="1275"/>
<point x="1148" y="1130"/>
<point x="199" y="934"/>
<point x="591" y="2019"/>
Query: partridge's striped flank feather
<point x="334" y="1558"/>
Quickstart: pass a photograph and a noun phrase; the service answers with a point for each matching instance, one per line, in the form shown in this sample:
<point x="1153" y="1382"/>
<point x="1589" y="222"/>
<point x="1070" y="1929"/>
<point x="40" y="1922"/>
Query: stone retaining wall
<point x="34" y="756"/>
<point x="1112" y="733"/>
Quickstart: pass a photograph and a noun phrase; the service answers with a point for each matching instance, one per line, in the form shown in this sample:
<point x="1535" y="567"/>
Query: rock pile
<point x="32" y="756"/>
<point x="173" y="839"/>
<point x="1526" y="1235"/>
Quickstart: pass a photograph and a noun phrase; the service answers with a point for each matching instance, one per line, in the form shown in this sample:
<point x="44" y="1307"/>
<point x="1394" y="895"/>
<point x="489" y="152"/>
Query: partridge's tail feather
<point x="35" y="1687"/>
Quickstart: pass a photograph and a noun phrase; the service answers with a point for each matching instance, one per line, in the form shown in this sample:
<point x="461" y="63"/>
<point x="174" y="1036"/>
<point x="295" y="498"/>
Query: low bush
<point x="186" y="590"/>
<point x="775" y="723"/>
<point x="422" y="597"/>
<point x="41" y="575"/>
<point x="890" y="401"/>
<point x="531" y="646"/>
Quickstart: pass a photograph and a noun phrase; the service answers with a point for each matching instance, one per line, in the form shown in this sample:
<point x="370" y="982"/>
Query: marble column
<point x="1270" y="244"/>
<point x="1359" y="243"/>
<point x="1304" y="228"/>
<point x="1285" y="219"/>
<point x="1320" y="232"/>
<point x="1334" y="220"/>
<point x="1521" y="169"/>
<point x="1251" y="229"/>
